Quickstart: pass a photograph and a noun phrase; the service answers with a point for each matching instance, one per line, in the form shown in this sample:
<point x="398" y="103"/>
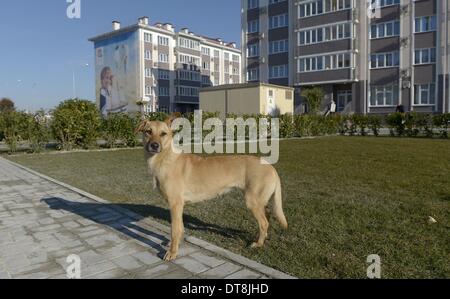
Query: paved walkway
<point x="43" y="221"/>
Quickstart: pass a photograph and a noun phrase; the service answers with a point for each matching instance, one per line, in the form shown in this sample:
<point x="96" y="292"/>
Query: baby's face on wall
<point x="107" y="80"/>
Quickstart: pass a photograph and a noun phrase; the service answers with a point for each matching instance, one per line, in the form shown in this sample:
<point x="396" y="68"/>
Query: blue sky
<point x="40" y="46"/>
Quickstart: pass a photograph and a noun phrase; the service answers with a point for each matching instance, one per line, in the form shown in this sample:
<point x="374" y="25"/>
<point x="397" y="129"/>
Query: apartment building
<point x="153" y="68"/>
<point x="368" y="56"/>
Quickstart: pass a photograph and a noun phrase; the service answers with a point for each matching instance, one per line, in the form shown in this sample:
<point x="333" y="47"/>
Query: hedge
<point x="77" y="123"/>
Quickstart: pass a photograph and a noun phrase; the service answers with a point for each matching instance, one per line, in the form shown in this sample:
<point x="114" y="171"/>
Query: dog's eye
<point x="149" y="132"/>
<point x="163" y="134"/>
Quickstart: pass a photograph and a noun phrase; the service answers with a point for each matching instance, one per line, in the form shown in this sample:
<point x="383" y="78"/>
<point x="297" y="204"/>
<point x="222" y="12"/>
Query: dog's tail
<point x="278" y="205"/>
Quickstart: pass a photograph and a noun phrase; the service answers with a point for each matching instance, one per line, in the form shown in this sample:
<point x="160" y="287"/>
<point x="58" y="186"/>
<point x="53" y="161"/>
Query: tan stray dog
<point x="187" y="178"/>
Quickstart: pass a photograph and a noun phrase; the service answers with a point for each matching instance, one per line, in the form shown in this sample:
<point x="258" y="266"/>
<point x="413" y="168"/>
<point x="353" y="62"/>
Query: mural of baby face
<point x="107" y="78"/>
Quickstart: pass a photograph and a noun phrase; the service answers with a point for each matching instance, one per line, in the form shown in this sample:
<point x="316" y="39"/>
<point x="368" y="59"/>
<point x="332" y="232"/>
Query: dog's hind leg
<point x="259" y="212"/>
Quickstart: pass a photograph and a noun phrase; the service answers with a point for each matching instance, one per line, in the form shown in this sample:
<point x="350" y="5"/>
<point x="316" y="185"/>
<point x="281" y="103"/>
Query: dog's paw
<point x="170" y="256"/>
<point x="256" y="245"/>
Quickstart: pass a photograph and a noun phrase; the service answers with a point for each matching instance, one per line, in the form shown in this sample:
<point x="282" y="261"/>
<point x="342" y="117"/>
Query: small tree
<point x="6" y="105"/>
<point x="119" y="126"/>
<point x="35" y="129"/>
<point x="11" y="124"/>
<point x="76" y="123"/>
<point x="313" y="97"/>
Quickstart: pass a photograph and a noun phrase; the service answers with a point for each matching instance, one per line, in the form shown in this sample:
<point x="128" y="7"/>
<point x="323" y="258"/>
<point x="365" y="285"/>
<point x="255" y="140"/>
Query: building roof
<point x="244" y="86"/>
<point x="215" y="41"/>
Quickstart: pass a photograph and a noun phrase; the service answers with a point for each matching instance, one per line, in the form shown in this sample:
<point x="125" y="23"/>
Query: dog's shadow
<point x="112" y="215"/>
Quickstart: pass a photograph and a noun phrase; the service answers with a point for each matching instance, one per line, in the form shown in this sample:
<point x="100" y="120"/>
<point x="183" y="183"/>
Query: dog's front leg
<point x="176" y="215"/>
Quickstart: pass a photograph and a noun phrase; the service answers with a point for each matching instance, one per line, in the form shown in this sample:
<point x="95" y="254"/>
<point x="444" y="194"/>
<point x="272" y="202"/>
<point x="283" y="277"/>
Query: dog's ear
<point x="141" y="127"/>
<point x="171" y="118"/>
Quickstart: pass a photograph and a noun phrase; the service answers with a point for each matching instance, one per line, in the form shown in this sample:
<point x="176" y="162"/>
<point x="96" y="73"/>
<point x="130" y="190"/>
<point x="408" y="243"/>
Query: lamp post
<point x="74" y="86"/>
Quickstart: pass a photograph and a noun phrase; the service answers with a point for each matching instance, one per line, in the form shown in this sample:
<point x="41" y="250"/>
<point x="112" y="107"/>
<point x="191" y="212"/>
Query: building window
<point x="278" y="21"/>
<point x="253" y="74"/>
<point x="344" y="98"/>
<point x="384" y="60"/>
<point x="163" y="109"/>
<point x="253" y="4"/>
<point x="148" y="55"/>
<point x="253" y="26"/>
<point x="188" y="59"/>
<point x="325" y="34"/>
<point x="236" y="58"/>
<point x="147" y="37"/>
<point x="425" y="56"/>
<point x="253" y="50"/>
<point x="276" y="1"/>
<point x="189" y="75"/>
<point x="206" y="51"/>
<point x="206" y="65"/>
<point x="326" y="62"/>
<point x="163" y="91"/>
<point x="189" y="43"/>
<point x="148" y="72"/>
<point x="383" y="30"/>
<point x="163" y="74"/>
<point x="148" y="90"/>
<point x="425" y="94"/>
<point x="278" y="71"/>
<point x="148" y="108"/>
<point x="384" y="3"/>
<point x="163" y="41"/>
<point x="216" y="53"/>
<point x="188" y="91"/>
<point x="163" y="57"/>
<point x="384" y="96"/>
<point x="279" y="46"/>
<point x="314" y="8"/>
<point x="425" y="24"/>
<point x="206" y="80"/>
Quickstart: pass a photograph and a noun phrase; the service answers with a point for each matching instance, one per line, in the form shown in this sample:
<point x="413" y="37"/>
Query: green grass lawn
<point x="345" y="198"/>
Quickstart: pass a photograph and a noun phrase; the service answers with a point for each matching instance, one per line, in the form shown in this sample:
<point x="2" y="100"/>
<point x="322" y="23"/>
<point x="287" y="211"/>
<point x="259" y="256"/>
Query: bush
<point x="313" y="98"/>
<point x="287" y="127"/>
<point x="36" y="129"/>
<point x="374" y="123"/>
<point x="425" y="124"/>
<point x="412" y="129"/>
<point x="76" y="123"/>
<point x="396" y="124"/>
<point x="2" y="128"/>
<point x="11" y="127"/>
<point x="119" y="126"/>
<point x="317" y="125"/>
<point x="349" y="125"/>
<point x="361" y="122"/>
<point x="442" y="122"/>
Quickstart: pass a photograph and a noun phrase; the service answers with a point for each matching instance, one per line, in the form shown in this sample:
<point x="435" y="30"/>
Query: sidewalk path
<point x="43" y="221"/>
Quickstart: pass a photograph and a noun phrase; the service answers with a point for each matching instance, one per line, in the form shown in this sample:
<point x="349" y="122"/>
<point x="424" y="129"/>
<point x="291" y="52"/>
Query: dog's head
<point x="158" y="135"/>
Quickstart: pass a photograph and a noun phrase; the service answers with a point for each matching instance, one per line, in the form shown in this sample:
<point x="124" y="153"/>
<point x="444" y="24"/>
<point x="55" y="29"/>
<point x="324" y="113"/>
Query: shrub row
<point x="77" y="124"/>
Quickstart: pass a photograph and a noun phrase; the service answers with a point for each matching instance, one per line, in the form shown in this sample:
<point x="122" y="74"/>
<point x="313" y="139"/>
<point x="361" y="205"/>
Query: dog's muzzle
<point x="154" y="148"/>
